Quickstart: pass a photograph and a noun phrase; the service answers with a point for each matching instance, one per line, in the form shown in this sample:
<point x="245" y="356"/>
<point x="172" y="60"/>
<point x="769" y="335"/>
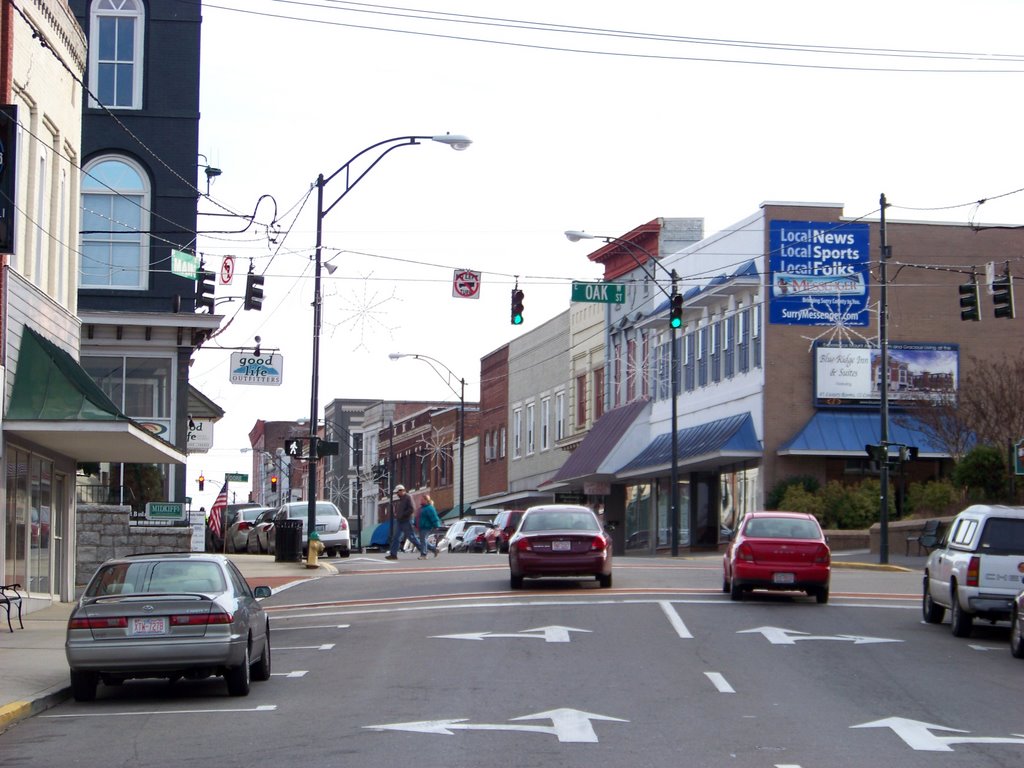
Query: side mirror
<point x="260" y="592"/>
<point x="611" y="525"/>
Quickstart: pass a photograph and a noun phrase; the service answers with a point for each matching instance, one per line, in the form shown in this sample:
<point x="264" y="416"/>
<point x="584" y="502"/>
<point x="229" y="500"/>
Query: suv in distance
<point x="977" y="569"/>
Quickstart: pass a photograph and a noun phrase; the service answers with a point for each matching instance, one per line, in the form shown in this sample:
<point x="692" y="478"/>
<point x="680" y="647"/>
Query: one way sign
<point x="293" y="448"/>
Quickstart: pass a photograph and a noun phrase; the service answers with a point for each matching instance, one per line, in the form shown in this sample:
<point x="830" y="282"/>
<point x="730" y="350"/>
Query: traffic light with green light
<point x="517" y="306"/>
<point x="675" y="318"/>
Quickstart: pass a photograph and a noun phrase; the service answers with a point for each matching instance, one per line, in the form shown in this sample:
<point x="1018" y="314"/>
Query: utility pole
<point x="883" y="362"/>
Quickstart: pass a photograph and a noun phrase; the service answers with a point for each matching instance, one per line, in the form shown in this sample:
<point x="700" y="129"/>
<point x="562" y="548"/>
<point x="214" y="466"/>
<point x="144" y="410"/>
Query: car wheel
<point x="932" y="611"/>
<point x="1016" y="638"/>
<point x="261" y="669"/>
<point x="821" y="595"/>
<point x="735" y="591"/>
<point x="962" y="621"/>
<point x="726" y="587"/>
<point x="238" y="678"/>
<point x="344" y="552"/>
<point x="605" y="580"/>
<point x="83" y="685"/>
<point x="516" y="582"/>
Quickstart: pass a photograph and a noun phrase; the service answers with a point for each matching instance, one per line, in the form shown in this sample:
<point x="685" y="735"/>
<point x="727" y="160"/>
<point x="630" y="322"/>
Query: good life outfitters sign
<point x="819" y="273"/>
<point x="262" y="370"/>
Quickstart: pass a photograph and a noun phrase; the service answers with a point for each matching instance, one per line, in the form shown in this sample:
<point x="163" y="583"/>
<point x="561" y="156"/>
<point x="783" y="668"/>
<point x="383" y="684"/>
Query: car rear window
<point x="186" y="577"/>
<point x="559" y="521"/>
<point x="1003" y="536"/>
<point x="781" y="528"/>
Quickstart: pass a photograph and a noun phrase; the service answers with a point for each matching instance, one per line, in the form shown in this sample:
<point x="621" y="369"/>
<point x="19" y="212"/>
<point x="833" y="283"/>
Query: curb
<point x="20" y="710"/>
<point x="872" y="567"/>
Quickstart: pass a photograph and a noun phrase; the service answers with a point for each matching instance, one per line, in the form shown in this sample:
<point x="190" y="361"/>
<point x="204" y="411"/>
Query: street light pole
<point x="575" y="236"/>
<point x="383" y="148"/>
<point x="462" y="417"/>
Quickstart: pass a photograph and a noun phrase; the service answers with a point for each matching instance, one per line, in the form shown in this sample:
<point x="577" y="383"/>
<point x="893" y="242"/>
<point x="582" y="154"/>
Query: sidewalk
<point x="34" y="670"/>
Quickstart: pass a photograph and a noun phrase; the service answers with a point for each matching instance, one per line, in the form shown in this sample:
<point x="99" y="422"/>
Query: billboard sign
<point x="850" y="375"/>
<point x="819" y="273"/>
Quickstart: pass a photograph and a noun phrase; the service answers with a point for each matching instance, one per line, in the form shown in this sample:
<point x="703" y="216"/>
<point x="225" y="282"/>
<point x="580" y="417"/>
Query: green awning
<point x="51" y="385"/>
<point x="57" y="405"/>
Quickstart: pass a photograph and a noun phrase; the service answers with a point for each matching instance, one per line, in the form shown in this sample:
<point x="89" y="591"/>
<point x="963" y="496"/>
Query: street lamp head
<point x="574" y="236"/>
<point x="396" y="355"/>
<point x="456" y="141"/>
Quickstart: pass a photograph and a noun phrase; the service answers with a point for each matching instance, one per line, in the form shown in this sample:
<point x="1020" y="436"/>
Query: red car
<point x="778" y="551"/>
<point x="505" y="523"/>
<point x="560" y="540"/>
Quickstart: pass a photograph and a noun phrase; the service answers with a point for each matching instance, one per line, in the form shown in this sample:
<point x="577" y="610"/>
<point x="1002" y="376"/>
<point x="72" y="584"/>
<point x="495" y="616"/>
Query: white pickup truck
<point x="977" y="569"/>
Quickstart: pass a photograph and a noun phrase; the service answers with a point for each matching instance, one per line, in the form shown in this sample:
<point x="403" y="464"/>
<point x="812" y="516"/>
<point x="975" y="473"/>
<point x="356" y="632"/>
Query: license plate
<point x="782" y="578"/>
<point x="156" y="625"/>
<point x="561" y="546"/>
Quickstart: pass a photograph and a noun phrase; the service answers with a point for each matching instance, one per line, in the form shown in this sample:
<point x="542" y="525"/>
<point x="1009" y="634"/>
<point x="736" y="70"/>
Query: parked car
<point x="504" y="526"/>
<point x="778" y="551"/>
<point x="331" y="526"/>
<point x="1017" y="627"/>
<point x="238" y="532"/>
<point x="453" y="536"/>
<point x="257" y="541"/>
<point x="168" y="616"/>
<point x="560" y="540"/>
<point x="976" y="570"/>
<point x="473" y="539"/>
<point x="214" y="542"/>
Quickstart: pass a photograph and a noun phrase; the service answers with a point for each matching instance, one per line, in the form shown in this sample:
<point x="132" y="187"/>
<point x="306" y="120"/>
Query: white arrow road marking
<point x="552" y="634"/>
<point x="675" y="620"/>
<point x="260" y="708"/>
<point x="780" y="636"/>
<point x="296" y="673"/>
<point x="324" y="647"/>
<point x="718" y="680"/>
<point x="322" y="626"/>
<point x="918" y="735"/>
<point x="974" y="647"/>
<point x="568" y="725"/>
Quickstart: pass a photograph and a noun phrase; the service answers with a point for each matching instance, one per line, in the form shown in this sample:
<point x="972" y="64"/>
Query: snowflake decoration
<point x="840" y="331"/>
<point x="362" y="311"/>
<point x="438" y="446"/>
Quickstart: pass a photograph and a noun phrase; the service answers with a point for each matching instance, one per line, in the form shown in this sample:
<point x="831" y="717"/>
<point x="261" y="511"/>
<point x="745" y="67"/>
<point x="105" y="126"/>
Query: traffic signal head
<point x="253" y="291"/>
<point x="273" y="483"/>
<point x="517" y="307"/>
<point x="204" y="290"/>
<point x="675" y="318"/>
<point x="969" y="301"/>
<point x="201" y="481"/>
<point x="1002" y="296"/>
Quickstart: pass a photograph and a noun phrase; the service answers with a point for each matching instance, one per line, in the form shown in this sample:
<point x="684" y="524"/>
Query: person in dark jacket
<point x="405" y="508"/>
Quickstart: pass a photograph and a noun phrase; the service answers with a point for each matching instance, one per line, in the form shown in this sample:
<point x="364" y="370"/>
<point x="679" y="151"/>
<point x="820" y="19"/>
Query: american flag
<point x="218" y="509"/>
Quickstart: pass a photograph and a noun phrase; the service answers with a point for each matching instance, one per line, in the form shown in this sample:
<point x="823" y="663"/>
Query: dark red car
<point x="778" y="551"/>
<point x="505" y="523"/>
<point x="560" y="540"/>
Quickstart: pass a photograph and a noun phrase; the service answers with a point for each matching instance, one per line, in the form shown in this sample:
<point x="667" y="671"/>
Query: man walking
<point x="405" y="508"/>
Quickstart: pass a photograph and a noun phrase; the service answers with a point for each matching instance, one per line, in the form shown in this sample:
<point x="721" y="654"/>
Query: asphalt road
<point x="440" y="664"/>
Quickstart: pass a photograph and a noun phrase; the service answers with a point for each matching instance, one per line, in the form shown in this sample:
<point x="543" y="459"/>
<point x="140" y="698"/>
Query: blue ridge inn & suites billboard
<point x="819" y="273"/>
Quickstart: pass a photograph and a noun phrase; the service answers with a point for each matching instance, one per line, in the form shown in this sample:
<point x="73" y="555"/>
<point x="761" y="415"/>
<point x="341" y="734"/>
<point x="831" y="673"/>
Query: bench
<point x="10" y="597"/>
<point x="927" y="539"/>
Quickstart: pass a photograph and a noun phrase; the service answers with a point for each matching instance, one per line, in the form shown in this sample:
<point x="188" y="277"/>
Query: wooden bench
<point x="10" y="597"/>
<point x="927" y="539"/>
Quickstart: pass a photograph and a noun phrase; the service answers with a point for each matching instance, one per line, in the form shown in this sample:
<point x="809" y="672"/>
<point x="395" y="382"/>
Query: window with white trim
<point x="531" y="434"/>
<point x="115" y="218"/>
<point x="517" y="433"/>
<point x="116" y="53"/>
<point x="545" y="423"/>
<point x="559" y="415"/>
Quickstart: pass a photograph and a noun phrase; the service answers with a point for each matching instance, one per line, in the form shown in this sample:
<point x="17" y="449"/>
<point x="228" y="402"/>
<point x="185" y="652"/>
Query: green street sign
<point x="603" y="293"/>
<point x="166" y="510"/>
<point x="236" y="477"/>
<point x="184" y="264"/>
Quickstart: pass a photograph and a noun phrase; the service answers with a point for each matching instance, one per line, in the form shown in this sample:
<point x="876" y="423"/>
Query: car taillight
<point x="343" y="525"/>
<point x="523" y="545"/>
<point x="244" y="526"/>
<point x="745" y="552"/>
<point x="973" y="569"/>
<point x="106" y="622"/>
<point x="481" y="538"/>
<point x="598" y="544"/>
<point x="822" y="555"/>
<point x="193" y="619"/>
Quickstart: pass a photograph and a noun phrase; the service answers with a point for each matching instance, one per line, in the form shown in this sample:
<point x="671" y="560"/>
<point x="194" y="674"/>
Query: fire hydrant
<point x="316" y="548"/>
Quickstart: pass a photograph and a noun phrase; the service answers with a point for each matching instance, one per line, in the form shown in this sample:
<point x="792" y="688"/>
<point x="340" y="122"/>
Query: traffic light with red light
<point x="201" y="481"/>
<point x="273" y="483"/>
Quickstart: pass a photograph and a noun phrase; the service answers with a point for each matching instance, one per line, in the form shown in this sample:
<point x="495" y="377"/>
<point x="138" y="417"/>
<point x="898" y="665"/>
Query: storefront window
<point x="29" y="517"/>
<point x="638" y="498"/>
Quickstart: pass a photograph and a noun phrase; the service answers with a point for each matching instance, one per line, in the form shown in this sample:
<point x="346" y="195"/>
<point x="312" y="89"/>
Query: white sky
<point x="562" y="140"/>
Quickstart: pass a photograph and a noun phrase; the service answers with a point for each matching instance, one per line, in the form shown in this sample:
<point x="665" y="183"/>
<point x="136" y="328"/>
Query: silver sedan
<point x="168" y="616"/>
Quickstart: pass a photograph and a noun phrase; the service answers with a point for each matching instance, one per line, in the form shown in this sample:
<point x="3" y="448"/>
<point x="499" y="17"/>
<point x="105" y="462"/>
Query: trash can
<point x="288" y="541"/>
